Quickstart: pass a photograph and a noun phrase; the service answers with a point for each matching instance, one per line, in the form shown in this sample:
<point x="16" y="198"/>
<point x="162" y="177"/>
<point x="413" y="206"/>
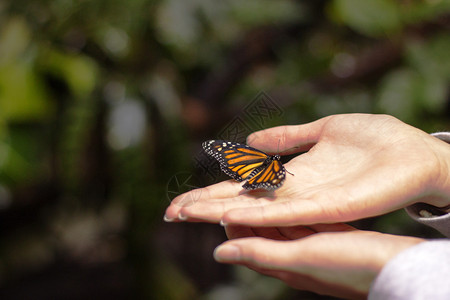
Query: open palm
<point x="356" y="166"/>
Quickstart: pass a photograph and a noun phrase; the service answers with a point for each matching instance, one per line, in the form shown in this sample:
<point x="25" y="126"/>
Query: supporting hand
<point x="333" y="259"/>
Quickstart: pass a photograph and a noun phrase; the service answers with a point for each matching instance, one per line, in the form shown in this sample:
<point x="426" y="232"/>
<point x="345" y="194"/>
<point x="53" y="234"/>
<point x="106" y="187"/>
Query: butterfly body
<point x="242" y="162"/>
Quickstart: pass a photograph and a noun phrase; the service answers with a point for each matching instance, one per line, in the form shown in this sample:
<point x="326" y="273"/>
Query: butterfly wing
<point x="270" y="178"/>
<point x="237" y="160"/>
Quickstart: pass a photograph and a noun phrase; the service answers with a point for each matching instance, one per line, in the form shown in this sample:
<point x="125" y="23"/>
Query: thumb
<point x="287" y="139"/>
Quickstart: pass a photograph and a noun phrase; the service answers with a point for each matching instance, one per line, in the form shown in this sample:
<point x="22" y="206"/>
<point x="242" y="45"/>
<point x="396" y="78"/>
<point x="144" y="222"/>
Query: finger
<point x="275" y="233"/>
<point x="287" y="139"/>
<point x="237" y="231"/>
<point x="336" y="227"/>
<point x="214" y="209"/>
<point x="295" y="232"/>
<point x="295" y="280"/>
<point x="268" y="272"/>
<point x="224" y="189"/>
<point x="272" y="233"/>
<point x="309" y="263"/>
<point x="256" y="252"/>
<point x="281" y="213"/>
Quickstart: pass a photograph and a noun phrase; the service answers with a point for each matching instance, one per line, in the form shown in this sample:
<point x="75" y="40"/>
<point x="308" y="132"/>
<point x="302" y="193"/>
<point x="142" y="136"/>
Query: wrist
<point x="442" y="151"/>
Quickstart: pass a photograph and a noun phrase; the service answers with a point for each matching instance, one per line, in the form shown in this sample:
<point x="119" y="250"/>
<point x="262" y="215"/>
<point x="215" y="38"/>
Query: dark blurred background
<point x="104" y="105"/>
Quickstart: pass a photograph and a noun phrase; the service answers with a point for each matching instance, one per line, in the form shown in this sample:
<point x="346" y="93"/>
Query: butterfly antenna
<point x="278" y="151"/>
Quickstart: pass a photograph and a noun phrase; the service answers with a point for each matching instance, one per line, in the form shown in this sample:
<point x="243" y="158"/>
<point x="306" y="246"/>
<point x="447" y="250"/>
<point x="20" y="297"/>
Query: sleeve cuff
<point x="430" y="216"/>
<point x="444" y="136"/>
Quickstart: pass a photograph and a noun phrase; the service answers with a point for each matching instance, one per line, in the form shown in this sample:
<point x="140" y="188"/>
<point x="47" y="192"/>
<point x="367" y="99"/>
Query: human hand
<point x="331" y="259"/>
<point x="357" y="166"/>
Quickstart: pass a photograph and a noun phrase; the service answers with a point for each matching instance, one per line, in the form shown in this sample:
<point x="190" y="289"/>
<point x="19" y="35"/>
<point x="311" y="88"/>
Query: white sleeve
<point x="419" y="272"/>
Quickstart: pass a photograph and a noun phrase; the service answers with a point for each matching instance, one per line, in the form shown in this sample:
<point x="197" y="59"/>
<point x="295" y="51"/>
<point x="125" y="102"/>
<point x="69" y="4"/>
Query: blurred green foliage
<point x="102" y="102"/>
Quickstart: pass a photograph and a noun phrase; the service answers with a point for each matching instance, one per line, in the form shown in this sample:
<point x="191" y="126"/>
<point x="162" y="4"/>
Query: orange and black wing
<point x="270" y="178"/>
<point x="238" y="161"/>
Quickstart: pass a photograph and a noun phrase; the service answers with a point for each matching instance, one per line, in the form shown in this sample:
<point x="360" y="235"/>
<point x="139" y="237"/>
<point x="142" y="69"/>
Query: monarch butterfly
<point x="242" y="162"/>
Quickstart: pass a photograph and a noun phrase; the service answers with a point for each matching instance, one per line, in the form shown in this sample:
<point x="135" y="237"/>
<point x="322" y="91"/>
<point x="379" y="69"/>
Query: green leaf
<point x="14" y="40"/>
<point x="430" y="57"/>
<point x="419" y="11"/>
<point x="22" y="94"/>
<point x="19" y="155"/>
<point x="369" y="17"/>
<point x="397" y="94"/>
<point x="405" y="93"/>
<point x="257" y="12"/>
<point x="78" y="71"/>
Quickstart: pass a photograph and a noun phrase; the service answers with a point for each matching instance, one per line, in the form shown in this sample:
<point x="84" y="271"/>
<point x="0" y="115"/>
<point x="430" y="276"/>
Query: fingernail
<point x="167" y="219"/>
<point x="182" y="217"/>
<point x="227" y="253"/>
<point x="223" y="223"/>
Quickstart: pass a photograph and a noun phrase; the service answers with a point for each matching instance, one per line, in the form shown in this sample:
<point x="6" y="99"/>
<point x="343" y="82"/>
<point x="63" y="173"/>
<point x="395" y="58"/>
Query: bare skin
<point x="357" y="166"/>
<point x="332" y="259"/>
